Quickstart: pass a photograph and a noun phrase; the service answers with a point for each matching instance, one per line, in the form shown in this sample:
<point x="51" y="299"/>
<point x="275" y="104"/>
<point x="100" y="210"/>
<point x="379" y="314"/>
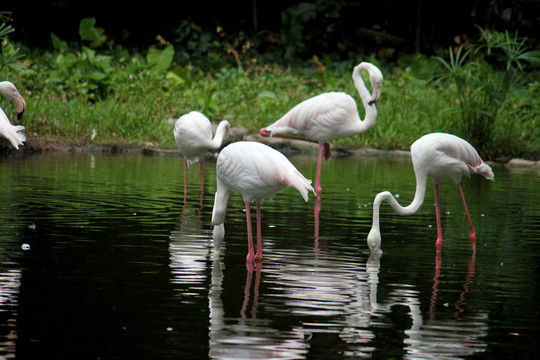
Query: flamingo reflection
<point x="247" y="292"/>
<point x="440" y="338"/>
<point x="460" y="303"/>
<point x="244" y="337"/>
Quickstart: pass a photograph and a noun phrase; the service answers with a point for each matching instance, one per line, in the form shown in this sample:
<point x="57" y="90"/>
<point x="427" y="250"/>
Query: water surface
<point x="100" y="257"/>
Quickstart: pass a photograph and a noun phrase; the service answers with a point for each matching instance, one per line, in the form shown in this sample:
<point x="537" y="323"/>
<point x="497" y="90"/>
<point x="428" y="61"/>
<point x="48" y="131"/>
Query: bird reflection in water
<point x="251" y="268"/>
<point x="460" y="303"/>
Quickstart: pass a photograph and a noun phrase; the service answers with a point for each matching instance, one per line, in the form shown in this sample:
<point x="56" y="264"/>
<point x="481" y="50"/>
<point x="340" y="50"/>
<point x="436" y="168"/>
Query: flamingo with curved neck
<point x="439" y="156"/>
<point x="331" y="116"/>
<point x="12" y="132"/>
<point x="193" y="136"/>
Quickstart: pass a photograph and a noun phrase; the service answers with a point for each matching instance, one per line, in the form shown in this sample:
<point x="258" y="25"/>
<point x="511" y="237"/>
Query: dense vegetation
<point x="94" y="90"/>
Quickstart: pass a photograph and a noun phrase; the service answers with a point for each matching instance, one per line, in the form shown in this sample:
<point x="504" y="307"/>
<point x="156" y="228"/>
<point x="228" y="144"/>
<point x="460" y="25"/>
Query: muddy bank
<point x="35" y="146"/>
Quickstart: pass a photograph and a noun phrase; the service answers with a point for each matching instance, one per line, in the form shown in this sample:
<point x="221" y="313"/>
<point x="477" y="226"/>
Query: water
<point x="101" y="259"/>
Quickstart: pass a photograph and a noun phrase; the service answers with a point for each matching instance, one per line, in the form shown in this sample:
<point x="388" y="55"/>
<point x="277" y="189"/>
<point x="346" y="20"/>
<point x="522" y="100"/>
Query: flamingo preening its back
<point x="193" y="136"/>
<point x="256" y="171"/>
<point x="331" y="115"/>
<point x="438" y="156"/>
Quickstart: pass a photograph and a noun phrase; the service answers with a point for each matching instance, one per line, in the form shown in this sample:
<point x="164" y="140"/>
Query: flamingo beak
<point x="21" y="105"/>
<point x="375" y="95"/>
<point x="264" y="133"/>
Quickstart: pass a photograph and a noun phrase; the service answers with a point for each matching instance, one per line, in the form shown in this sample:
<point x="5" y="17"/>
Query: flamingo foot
<point x="264" y="133"/>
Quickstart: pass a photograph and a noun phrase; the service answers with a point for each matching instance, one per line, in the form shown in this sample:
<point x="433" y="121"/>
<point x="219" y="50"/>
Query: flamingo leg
<point x="318" y="188"/>
<point x="472" y="234"/>
<point x="259" y="255"/>
<point x="185" y="179"/>
<point x="438" y="243"/>
<point x="251" y="255"/>
<point x="202" y="175"/>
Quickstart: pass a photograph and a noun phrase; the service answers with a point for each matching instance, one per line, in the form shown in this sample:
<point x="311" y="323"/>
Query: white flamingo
<point x="438" y="156"/>
<point x="12" y="132"/>
<point x="331" y="115"/>
<point x="256" y="171"/>
<point x="193" y="135"/>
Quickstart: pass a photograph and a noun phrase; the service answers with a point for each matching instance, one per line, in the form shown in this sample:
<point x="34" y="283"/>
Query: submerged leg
<point x="438" y="243"/>
<point x="185" y="179"/>
<point x="472" y="234"/>
<point x="251" y="254"/>
<point x="202" y="175"/>
<point x="318" y="188"/>
<point x="259" y="255"/>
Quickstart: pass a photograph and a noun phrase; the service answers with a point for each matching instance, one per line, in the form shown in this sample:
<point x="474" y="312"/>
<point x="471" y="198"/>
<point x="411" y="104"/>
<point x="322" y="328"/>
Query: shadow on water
<point x="102" y="257"/>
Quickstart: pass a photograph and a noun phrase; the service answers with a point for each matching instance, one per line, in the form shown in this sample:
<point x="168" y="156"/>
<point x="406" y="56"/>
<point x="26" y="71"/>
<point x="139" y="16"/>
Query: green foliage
<point x="89" y="32"/>
<point x="483" y="89"/>
<point x="9" y="53"/>
<point x="112" y="94"/>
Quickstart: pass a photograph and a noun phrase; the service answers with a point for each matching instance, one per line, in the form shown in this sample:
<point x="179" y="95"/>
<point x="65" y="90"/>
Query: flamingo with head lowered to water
<point x="439" y="156"/>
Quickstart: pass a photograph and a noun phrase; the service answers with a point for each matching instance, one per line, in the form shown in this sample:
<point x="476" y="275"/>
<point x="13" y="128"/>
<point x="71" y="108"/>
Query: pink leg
<point x="318" y="188"/>
<point x="251" y="255"/>
<point x="259" y="255"/>
<point x="438" y="243"/>
<point x="202" y="176"/>
<point x="472" y="234"/>
<point x="185" y="180"/>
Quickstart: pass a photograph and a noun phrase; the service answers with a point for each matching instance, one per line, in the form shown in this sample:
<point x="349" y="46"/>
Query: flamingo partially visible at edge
<point x="9" y="131"/>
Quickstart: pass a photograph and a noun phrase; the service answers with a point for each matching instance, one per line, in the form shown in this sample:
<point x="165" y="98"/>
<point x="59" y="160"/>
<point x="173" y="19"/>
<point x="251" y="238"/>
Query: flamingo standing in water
<point x="438" y="156"/>
<point x="331" y="116"/>
<point x="9" y="131"/>
<point x="256" y="171"/>
<point x="193" y="135"/>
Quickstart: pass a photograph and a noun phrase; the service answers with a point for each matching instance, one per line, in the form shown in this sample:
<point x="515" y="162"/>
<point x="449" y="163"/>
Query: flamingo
<point x="9" y="131"/>
<point x="193" y="135"/>
<point x="439" y="156"/>
<point x="256" y="171"/>
<point x="331" y="115"/>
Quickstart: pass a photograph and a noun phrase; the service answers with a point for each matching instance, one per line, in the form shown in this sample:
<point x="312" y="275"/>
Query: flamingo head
<point x="376" y="80"/>
<point x="218" y="235"/>
<point x="264" y="132"/>
<point x="374" y="241"/>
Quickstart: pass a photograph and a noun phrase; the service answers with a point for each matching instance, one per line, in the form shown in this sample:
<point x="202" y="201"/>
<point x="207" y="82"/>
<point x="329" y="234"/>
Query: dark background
<point x="406" y="26"/>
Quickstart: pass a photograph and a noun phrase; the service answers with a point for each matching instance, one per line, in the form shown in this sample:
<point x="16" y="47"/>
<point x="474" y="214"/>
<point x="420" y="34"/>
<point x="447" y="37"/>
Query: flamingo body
<point x="12" y="132"/>
<point x="331" y="115"/>
<point x="193" y="136"/>
<point x="438" y="156"/>
<point x="256" y="171"/>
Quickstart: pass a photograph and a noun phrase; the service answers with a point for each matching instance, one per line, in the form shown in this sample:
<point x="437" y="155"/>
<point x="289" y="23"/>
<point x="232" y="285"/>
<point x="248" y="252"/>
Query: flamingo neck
<point x="222" y="132"/>
<point x="369" y="107"/>
<point x="374" y="237"/>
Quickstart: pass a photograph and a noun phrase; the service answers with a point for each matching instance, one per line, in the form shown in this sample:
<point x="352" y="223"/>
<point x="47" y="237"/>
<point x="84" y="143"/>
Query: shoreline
<point x="287" y="146"/>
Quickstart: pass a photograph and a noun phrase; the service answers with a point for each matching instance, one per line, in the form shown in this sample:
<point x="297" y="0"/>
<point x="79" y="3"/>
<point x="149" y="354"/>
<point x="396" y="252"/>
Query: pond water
<point x="100" y="258"/>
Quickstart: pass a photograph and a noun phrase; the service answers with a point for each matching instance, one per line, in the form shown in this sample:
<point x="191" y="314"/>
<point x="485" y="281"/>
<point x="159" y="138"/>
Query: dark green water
<point x="101" y="259"/>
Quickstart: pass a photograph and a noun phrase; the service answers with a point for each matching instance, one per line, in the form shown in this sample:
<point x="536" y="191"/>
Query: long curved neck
<point x="408" y="210"/>
<point x="371" y="110"/>
<point x="222" y="133"/>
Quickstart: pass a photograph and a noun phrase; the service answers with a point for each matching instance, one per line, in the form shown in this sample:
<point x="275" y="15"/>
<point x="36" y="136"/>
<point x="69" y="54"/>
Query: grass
<point x="139" y="110"/>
